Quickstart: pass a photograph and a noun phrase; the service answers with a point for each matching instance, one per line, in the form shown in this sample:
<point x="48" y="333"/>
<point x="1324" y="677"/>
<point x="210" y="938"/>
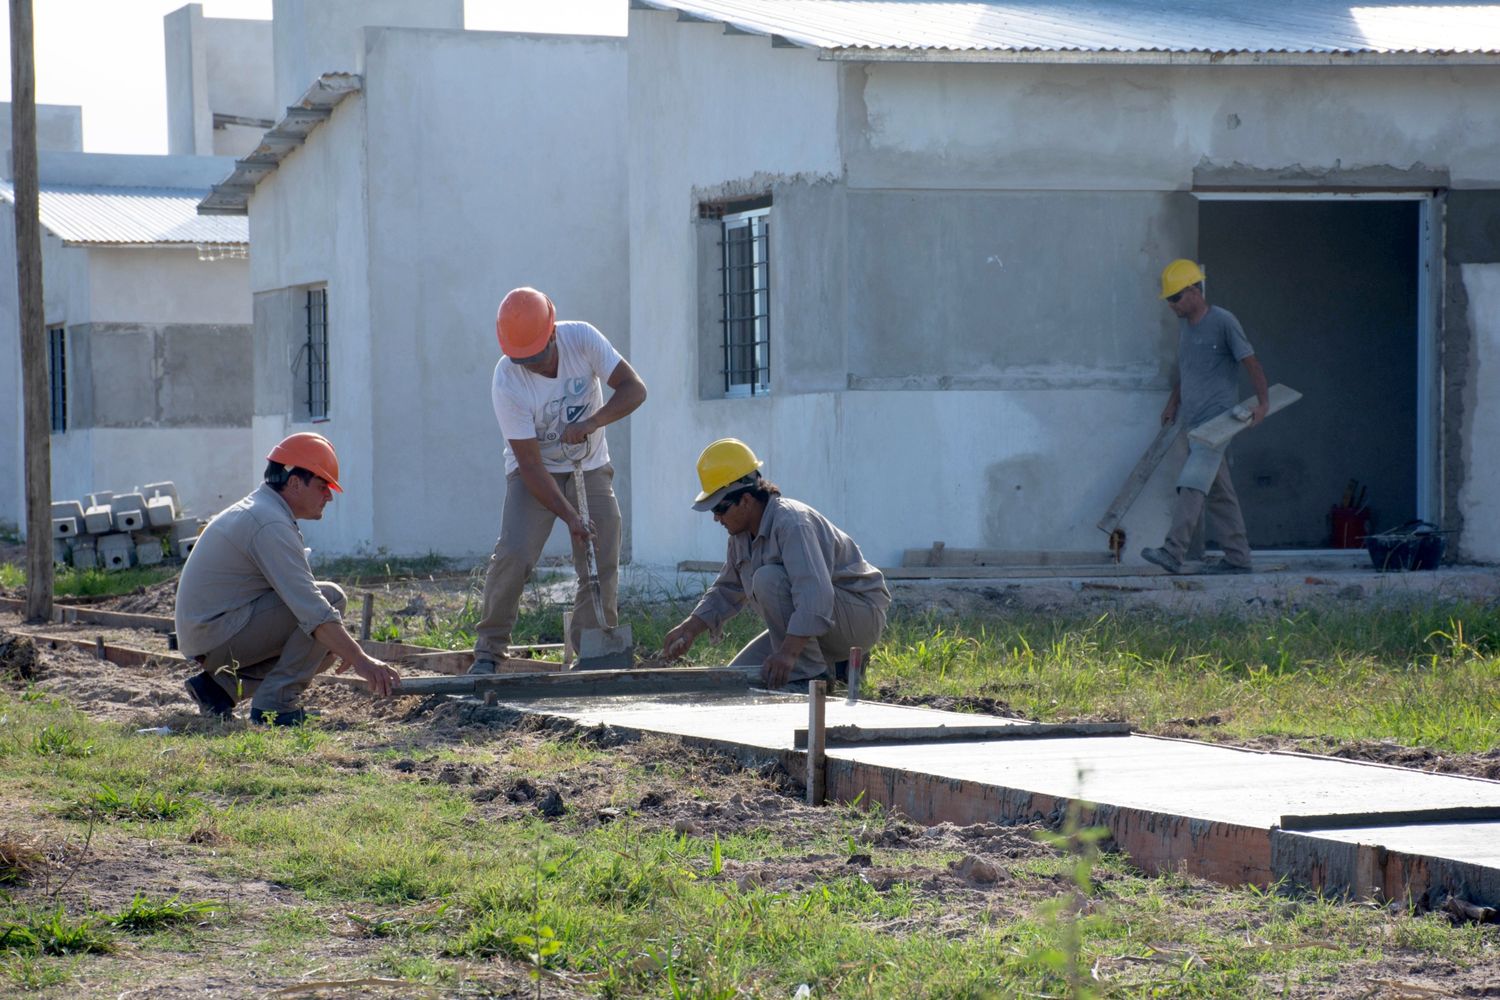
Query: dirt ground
<point x="722" y="799"/>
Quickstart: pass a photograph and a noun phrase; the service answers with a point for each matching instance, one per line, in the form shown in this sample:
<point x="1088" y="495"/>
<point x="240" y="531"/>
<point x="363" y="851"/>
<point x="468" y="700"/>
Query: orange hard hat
<point x="524" y="322"/>
<point x="312" y="452"/>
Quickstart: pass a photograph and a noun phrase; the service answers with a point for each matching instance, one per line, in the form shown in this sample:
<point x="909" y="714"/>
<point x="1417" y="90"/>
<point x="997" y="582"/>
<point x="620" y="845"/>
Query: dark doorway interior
<point x="1327" y="293"/>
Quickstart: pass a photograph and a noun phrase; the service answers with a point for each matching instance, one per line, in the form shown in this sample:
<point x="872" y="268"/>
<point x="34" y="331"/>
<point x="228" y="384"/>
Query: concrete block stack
<point x="113" y="531"/>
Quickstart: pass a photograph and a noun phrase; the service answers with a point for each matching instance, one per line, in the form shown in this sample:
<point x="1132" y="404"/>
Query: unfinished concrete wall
<point x="1471" y="372"/>
<point x="217" y="65"/>
<point x="522" y="182"/>
<point x="715" y="116"/>
<point x="313" y="37"/>
<point x="59" y="128"/>
<point x="308" y="226"/>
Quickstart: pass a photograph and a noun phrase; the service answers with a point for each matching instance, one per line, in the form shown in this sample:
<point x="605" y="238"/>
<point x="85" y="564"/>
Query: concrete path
<point x="1233" y="815"/>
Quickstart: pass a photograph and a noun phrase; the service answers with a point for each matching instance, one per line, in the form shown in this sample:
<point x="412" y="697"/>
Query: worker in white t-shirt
<point x="550" y="404"/>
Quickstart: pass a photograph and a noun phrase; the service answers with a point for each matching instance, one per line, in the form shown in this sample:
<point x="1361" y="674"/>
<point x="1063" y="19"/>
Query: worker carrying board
<point x="1211" y="350"/>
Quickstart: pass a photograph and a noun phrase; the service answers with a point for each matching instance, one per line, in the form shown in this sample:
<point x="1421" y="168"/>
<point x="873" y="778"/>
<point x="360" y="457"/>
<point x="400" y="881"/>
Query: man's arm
<point x="629" y="394"/>
<point x="380" y="676"/>
<point x="540" y="484"/>
<point x="1258" y="383"/>
<point x="1174" y="402"/>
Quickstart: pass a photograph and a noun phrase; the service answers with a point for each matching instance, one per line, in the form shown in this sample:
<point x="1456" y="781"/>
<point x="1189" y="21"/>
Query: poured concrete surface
<point x="1215" y="811"/>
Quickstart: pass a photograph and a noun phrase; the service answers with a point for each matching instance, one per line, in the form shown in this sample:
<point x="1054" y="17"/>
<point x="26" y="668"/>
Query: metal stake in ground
<point x="602" y="648"/>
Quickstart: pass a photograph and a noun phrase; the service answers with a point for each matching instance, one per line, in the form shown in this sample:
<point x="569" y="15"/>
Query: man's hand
<point x="381" y="676"/>
<point x="1169" y="412"/>
<point x="580" y="529"/>
<point x="578" y="433"/>
<point x="681" y="638"/>
<point x="777" y="668"/>
<point x="1259" y="413"/>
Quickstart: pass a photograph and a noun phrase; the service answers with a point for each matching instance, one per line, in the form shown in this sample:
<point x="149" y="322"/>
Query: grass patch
<point x="70" y="582"/>
<point x="12" y="577"/>
<point x="145" y="914"/>
<point x="381" y="565"/>
<point x="32" y="931"/>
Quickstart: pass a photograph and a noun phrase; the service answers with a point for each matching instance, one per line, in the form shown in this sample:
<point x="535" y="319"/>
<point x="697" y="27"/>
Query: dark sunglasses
<point x="1178" y="296"/>
<point x="722" y="507"/>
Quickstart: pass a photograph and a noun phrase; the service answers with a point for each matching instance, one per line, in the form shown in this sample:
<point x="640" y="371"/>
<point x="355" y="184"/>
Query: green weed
<point x="109" y="803"/>
<point x="60" y="741"/>
<point x="145" y="914"/>
<point x="32" y="931"/>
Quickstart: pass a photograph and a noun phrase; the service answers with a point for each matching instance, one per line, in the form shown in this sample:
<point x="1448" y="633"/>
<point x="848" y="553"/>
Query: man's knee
<point x="769" y="583"/>
<point x="334" y="594"/>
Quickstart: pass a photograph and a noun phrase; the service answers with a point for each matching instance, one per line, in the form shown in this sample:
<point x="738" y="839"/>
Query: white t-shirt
<point x="529" y="405"/>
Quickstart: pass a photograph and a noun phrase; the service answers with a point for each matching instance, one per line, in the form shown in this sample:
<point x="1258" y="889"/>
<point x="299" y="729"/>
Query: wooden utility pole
<point x="34" y="386"/>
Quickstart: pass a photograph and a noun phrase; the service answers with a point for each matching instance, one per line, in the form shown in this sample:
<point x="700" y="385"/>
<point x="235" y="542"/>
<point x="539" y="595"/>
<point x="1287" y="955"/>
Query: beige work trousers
<point x="524" y="527"/>
<point x="857" y="621"/>
<point x="271" y="660"/>
<point x="1226" y="523"/>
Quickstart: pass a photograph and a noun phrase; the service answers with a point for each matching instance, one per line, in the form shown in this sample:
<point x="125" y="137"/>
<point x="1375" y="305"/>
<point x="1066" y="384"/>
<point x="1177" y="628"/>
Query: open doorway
<point x="1329" y="294"/>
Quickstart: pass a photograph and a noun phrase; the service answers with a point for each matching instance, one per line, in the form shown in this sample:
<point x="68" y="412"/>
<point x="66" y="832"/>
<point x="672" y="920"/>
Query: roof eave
<point x="1161" y="58"/>
<point x="231" y="196"/>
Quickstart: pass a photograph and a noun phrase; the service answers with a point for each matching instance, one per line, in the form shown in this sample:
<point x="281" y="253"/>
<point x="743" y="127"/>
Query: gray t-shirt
<point x="1208" y="362"/>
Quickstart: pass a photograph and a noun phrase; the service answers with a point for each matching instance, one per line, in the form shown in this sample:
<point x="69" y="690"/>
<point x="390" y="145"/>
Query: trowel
<point x="599" y="648"/>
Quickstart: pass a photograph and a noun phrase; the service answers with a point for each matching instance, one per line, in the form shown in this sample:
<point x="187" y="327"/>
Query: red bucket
<point x="1350" y="526"/>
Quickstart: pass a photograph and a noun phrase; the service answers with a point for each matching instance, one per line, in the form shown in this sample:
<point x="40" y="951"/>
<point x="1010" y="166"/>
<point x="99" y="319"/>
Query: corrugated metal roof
<point x="1250" y="30"/>
<point x="125" y="216"/>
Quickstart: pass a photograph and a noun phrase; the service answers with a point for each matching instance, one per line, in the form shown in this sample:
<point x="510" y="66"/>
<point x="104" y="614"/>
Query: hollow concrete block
<point x="148" y="550"/>
<point x="186" y="527"/>
<point x="161" y="490"/>
<point x="129" y="512"/>
<point x="65" y="527"/>
<point x="160" y="511"/>
<point x="185" y="547"/>
<point x="61" y="551"/>
<point x="98" y="519"/>
<point x="84" y="554"/>
<point x="115" y="551"/>
<point x="67" y="508"/>
<point x="100" y="499"/>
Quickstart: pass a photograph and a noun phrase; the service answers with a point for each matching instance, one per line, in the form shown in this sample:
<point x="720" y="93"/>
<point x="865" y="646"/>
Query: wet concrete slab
<point x="1214" y="811"/>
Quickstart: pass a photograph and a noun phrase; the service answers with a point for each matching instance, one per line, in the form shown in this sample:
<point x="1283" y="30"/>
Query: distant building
<point x="147" y="315"/>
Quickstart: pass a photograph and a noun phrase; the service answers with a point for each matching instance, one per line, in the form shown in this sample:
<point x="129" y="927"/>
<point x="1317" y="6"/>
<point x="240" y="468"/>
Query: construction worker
<point x="248" y="608"/>
<point x="802" y="575"/>
<point x="1211" y="349"/>
<point x="550" y="405"/>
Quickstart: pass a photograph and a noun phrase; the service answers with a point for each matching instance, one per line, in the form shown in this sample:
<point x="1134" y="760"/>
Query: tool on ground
<point x="605" y="647"/>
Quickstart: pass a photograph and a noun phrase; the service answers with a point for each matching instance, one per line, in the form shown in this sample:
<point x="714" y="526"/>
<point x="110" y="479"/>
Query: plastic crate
<point x="1414" y="545"/>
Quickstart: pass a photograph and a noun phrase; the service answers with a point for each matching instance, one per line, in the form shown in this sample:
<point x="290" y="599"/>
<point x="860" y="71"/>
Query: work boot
<point x="482" y="665"/>
<point x="208" y="696"/>
<point x="1162" y="558"/>
<point x="285" y="717"/>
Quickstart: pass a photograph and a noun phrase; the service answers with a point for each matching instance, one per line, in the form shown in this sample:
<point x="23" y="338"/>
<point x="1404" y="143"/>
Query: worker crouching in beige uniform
<point x="802" y="575"/>
<point x="248" y="608"/>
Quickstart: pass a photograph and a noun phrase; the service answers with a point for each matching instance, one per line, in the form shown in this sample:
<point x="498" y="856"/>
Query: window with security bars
<point x="745" y="269"/>
<point x="316" y="350"/>
<point x="57" y="372"/>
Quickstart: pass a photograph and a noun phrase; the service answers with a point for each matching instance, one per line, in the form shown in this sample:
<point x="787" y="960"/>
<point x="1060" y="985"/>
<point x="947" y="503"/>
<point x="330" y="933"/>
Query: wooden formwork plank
<point x="1136" y="481"/>
<point x="944" y="733"/>
<point x="577" y="683"/>
<point x="68" y="614"/>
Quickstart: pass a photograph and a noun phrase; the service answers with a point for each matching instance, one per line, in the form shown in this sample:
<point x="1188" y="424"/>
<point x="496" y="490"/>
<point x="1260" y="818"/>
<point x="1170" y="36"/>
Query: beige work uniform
<point x="247" y="604"/>
<point x="803" y="576"/>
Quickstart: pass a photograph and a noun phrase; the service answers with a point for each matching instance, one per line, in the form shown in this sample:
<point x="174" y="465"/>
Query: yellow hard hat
<point x="1178" y="275"/>
<point x="726" y="463"/>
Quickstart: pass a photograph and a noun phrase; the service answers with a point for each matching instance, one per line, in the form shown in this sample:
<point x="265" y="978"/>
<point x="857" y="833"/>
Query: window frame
<point x="754" y="358"/>
<point x="315" y="350"/>
<point x="57" y="377"/>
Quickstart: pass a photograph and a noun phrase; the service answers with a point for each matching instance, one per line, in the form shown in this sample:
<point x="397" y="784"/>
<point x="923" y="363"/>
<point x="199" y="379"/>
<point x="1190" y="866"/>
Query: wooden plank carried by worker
<point x="1217" y="431"/>
<point x="946" y="557"/>
<point x="1136" y="481"/>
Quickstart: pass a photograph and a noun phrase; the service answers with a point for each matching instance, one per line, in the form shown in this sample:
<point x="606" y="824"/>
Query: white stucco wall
<point x="308" y="225"/>
<point x="222" y="65"/>
<point x="706" y="110"/>
<point x="1479" y="498"/>
<point x="501" y="164"/>
<point x="137" y="285"/>
<point x="312" y="37"/>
